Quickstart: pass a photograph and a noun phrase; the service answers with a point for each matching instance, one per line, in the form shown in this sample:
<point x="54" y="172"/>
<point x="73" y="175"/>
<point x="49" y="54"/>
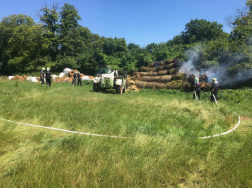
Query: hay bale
<point x="177" y="84"/>
<point x="151" y="78"/>
<point x="143" y="73"/>
<point x="173" y="71"/>
<point x="160" y="63"/>
<point x="180" y="76"/>
<point x="169" y="61"/>
<point x="163" y="72"/>
<point x="155" y="78"/>
<point x="203" y="78"/>
<point x="149" y="85"/>
<point x="146" y="78"/>
<point x="152" y="73"/>
<point x="91" y="77"/>
<point x="17" y="77"/>
<point x="71" y="73"/>
<point x="169" y="66"/>
<point x="143" y="69"/>
<point x="191" y="78"/>
<point x="150" y="64"/>
<point x="159" y="85"/>
<point x="140" y="84"/>
<point x="38" y="78"/>
<point x="159" y="68"/>
<point x="165" y="78"/>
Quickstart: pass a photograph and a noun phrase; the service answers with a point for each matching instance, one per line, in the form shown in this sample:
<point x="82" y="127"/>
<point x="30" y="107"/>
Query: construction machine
<point x="108" y="79"/>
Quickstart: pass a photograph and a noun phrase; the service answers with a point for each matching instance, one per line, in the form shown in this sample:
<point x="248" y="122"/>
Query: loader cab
<point x="103" y="70"/>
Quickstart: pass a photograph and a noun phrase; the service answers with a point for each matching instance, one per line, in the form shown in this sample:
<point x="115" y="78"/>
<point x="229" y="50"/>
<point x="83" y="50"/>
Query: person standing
<point x="197" y="86"/>
<point x="79" y="79"/>
<point x="74" y="78"/>
<point x="42" y="76"/>
<point x="214" y="90"/>
<point x="48" y="77"/>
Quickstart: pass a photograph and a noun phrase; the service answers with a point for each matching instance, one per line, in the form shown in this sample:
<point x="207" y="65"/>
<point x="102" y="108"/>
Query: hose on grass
<point x="91" y="134"/>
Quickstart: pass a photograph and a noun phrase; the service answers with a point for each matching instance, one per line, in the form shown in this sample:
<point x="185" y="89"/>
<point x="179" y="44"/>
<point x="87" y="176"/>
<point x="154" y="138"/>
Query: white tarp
<point x="66" y="71"/>
<point x="10" y="77"/>
<point x="62" y="74"/>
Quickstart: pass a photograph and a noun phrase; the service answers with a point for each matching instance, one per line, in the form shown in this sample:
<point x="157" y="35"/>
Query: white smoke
<point x="219" y="72"/>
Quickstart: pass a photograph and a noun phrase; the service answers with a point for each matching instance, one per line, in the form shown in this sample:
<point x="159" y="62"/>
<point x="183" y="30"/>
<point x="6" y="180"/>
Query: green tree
<point x="201" y="30"/>
<point x="9" y="27"/>
<point x="49" y="17"/>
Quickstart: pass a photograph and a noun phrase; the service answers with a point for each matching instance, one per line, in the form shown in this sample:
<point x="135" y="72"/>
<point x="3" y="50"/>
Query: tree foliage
<point x="59" y="41"/>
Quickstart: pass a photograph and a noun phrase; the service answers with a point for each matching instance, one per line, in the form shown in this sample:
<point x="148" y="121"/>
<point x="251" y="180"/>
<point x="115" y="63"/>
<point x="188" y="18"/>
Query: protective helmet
<point x="43" y="68"/>
<point x="196" y="79"/>
<point x="48" y="68"/>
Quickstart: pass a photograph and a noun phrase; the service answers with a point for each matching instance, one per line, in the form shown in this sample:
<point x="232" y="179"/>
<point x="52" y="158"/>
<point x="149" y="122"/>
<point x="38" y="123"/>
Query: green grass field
<point x="161" y="148"/>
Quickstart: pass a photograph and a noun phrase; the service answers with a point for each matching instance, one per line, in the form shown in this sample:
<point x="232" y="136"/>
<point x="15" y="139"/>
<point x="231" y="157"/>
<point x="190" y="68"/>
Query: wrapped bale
<point x="10" y="77"/>
<point x="173" y="71"/>
<point x="140" y="84"/>
<point x="61" y="75"/>
<point x="159" y="85"/>
<point x="66" y="71"/>
<point x="180" y="76"/>
<point x="163" y="72"/>
<point x="165" y="78"/>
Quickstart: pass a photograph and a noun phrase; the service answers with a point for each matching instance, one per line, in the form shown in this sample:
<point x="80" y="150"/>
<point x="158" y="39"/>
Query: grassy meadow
<point x="161" y="148"/>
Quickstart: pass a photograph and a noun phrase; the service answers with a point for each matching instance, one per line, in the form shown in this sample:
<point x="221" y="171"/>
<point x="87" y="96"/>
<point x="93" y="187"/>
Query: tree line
<point x="59" y="41"/>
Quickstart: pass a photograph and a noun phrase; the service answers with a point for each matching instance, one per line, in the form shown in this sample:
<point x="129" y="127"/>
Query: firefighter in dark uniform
<point x="214" y="90"/>
<point x="197" y="86"/>
<point x="48" y="77"/>
<point x="42" y="76"/>
<point x="74" y="78"/>
<point x="79" y="79"/>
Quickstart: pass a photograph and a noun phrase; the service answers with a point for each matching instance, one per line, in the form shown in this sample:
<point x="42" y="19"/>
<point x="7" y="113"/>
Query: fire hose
<point x="91" y="134"/>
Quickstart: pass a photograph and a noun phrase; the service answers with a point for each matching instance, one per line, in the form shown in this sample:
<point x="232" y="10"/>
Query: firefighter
<point x="214" y="90"/>
<point x="197" y="86"/>
<point x="42" y="76"/>
<point x="79" y="79"/>
<point x="48" y="77"/>
<point x="74" y="78"/>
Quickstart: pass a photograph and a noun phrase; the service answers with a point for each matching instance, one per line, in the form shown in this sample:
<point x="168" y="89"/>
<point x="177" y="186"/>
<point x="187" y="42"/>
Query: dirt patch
<point x="243" y="118"/>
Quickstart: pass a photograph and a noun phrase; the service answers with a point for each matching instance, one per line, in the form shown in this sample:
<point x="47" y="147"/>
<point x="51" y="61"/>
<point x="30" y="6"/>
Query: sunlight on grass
<point x="162" y="148"/>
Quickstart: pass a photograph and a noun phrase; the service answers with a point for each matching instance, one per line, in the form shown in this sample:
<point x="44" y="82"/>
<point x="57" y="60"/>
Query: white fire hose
<point x="91" y="134"/>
